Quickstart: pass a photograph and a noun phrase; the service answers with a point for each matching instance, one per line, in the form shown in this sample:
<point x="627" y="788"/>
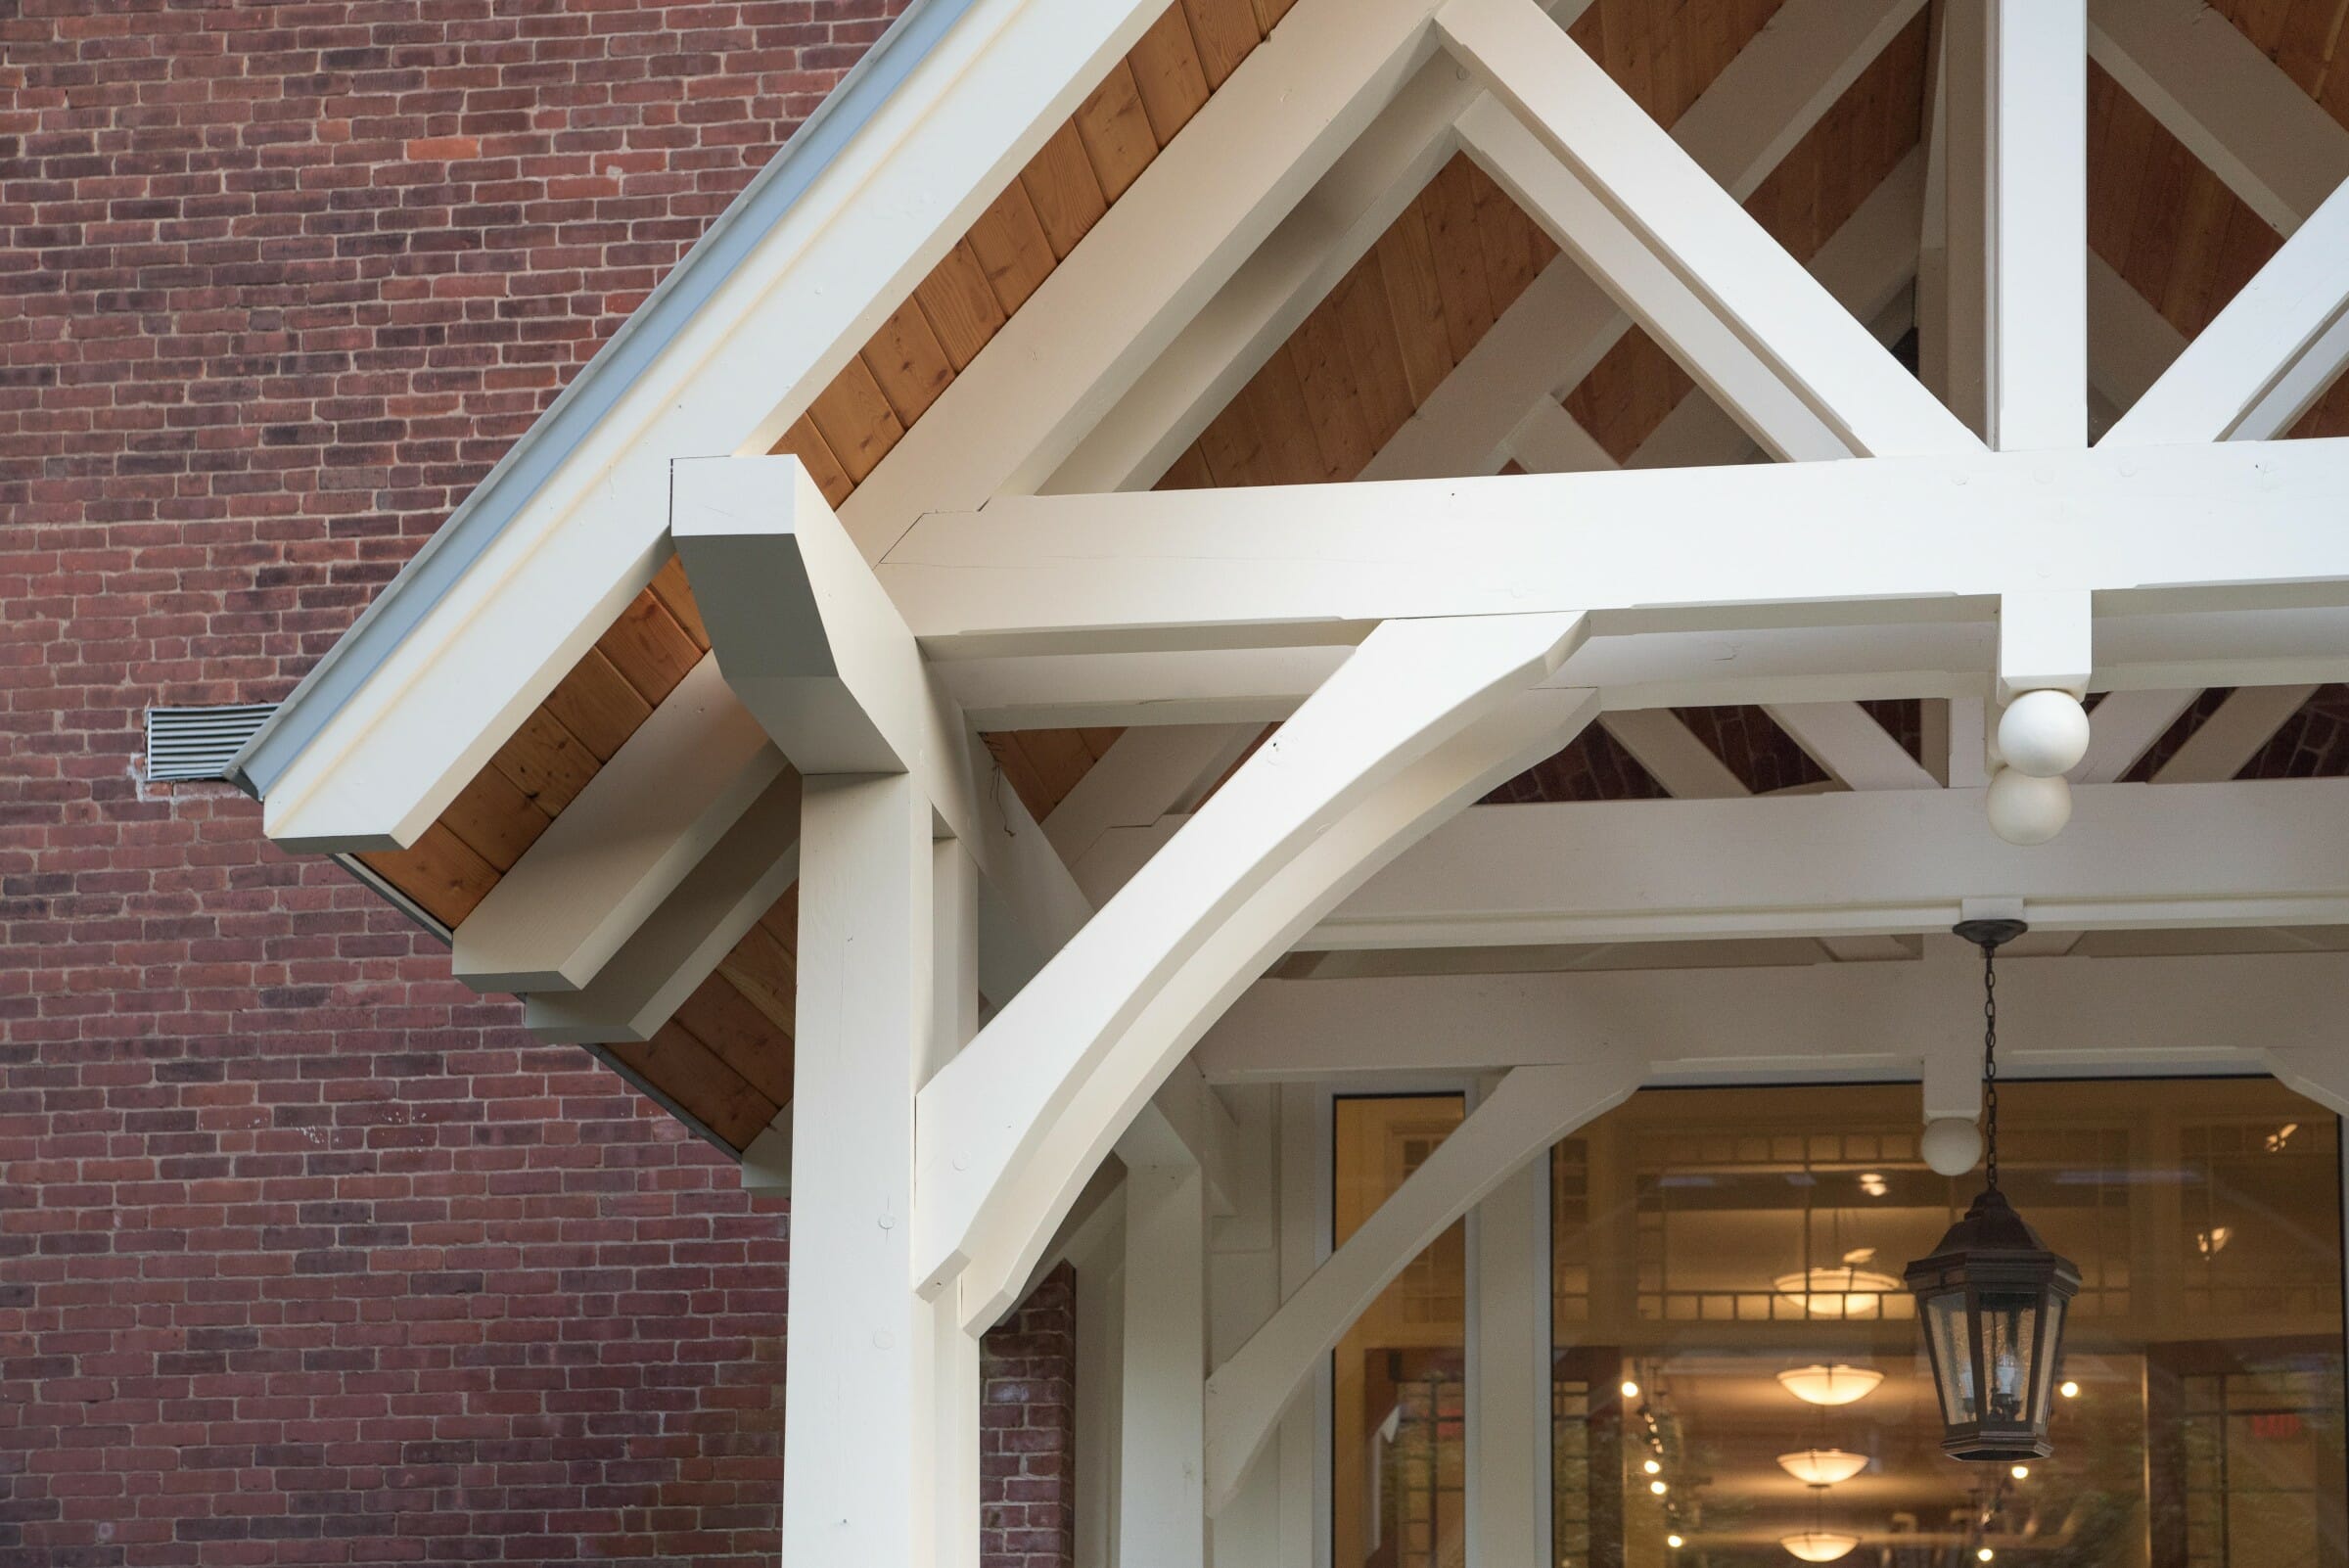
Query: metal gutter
<point x="518" y="476"/>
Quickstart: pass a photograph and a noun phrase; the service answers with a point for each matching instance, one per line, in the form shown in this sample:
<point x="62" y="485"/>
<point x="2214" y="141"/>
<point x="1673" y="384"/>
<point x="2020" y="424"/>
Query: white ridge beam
<point x="1013" y="1125"/>
<point x="1843" y="739"/>
<point x="1784" y="545"/>
<point x="1698" y="230"/>
<point x="1899" y="861"/>
<point x="677" y="947"/>
<point x="2235" y="734"/>
<point x="2267" y="356"/>
<point x="815" y="649"/>
<point x="1530" y="1110"/>
<point x="2220" y="94"/>
<point x="640" y="828"/>
<point x="1739" y="129"/>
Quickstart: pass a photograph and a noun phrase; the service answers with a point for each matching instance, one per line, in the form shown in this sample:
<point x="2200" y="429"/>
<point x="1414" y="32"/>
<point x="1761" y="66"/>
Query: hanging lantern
<point x="1992" y="1297"/>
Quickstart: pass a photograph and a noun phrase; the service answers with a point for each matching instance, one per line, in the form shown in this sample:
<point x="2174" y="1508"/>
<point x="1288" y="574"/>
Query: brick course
<point x="307" y="1254"/>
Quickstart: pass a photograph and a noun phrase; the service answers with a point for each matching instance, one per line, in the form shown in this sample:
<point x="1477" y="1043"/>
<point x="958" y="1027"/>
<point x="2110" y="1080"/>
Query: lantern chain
<point x="1990" y="1065"/>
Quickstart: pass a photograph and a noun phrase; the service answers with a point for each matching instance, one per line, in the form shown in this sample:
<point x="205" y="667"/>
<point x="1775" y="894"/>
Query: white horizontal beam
<point x="1528" y="1112"/>
<point x="1392" y="744"/>
<point x="692" y="930"/>
<point x="1882" y="862"/>
<point x="2227" y="100"/>
<point x="1824" y="1021"/>
<point x="795" y="304"/>
<point x="1940" y="659"/>
<point x="640" y="828"/>
<point x="2267" y="355"/>
<point x="2237" y="526"/>
<point x="812" y="646"/>
<point x="1687" y="221"/>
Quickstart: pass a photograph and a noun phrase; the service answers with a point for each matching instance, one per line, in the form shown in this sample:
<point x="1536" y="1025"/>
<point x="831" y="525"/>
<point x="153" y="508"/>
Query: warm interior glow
<point x="1674" y="1541"/>
<point x="1822" y="1467"/>
<point x="1831" y="1385"/>
<point x="2069" y="1388"/>
<point x="1652" y="1467"/>
<point x="2021" y="1472"/>
<point x="1820" y="1545"/>
<point x="1839" y="1292"/>
<point x="1631" y="1390"/>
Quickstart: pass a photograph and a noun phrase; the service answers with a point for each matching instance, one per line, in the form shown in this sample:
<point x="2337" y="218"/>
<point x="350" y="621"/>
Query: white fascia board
<point x="1745" y="278"/>
<point x="1835" y="1021"/>
<point x="815" y="650"/>
<point x="638" y="829"/>
<point x="465" y="645"/>
<point x="1896" y="862"/>
<point x="2239" y="526"/>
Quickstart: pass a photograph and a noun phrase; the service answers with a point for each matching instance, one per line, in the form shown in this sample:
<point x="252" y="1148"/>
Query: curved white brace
<point x="1009" y="1129"/>
<point x="1532" y="1108"/>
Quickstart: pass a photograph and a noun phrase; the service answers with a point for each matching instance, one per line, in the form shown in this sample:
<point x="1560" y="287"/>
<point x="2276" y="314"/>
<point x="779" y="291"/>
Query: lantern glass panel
<point x="1953" y="1354"/>
<point x="2009" y="1324"/>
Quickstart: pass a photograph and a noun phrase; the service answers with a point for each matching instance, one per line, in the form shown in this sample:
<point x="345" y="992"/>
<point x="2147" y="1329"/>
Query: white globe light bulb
<point x="1952" y="1146"/>
<point x="2026" y="811"/>
<point x="2044" y="733"/>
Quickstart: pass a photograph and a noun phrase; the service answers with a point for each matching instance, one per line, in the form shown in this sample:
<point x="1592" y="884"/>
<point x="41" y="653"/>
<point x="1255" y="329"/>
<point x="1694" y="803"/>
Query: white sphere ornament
<point x="1952" y="1146"/>
<point x="2028" y="810"/>
<point x="2044" y="733"/>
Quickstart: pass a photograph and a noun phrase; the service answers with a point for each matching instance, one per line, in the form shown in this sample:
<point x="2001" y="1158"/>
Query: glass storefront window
<point x="1705" y="1241"/>
<point x="1398" y="1480"/>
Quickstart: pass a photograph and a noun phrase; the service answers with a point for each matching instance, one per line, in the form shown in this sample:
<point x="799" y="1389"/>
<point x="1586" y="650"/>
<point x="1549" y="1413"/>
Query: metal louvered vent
<point x="200" y="742"/>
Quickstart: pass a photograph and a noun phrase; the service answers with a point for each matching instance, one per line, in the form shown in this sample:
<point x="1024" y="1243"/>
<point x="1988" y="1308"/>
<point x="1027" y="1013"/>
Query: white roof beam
<point x="2233" y="734"/>
<point x="1737" y="130"/>
<point x="1673" y="754"/>
<point x="2220" y="94"/>
<point x="1853" y="747"/>
<point x="1391" y="743"/>
<point x="2123" y="726"/>
<point x="2038" y="204"/>
<point x="2130" y="345"/>
<point x="2267" y="356"/>
<point x="634" y="835"/>
<point x="2272" y="852"/>
<point x="803" y="297"/>
<point x="688" y="936"/>
<point x="1689" y="222"/>
<point x="1550" y="440"/>
<point x="1783" y="544"/>
<point x="1190" y="222"/>
<point x="1149" y="771"/>
<point x="812" y="646"/>
<point x="1645" y="284"/>
<point x="1817" y="1022"/>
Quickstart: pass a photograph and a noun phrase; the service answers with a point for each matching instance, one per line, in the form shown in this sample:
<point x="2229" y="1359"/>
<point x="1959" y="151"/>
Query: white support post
<point x="2038" y="146"/>
<point x="1011" y="1127"/>
<point x="2045" y="643"/>
<point x="1523" y="1116"/>
<point x="1510" y="1371"/>
<point x="1758" y="293"/>
<point x="1162" y="1514"/>
<point x="878" y="1376"/>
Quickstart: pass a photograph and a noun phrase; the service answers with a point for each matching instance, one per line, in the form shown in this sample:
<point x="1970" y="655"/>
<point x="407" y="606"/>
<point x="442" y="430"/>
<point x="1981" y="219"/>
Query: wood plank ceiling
<point x="1362" y="363"/>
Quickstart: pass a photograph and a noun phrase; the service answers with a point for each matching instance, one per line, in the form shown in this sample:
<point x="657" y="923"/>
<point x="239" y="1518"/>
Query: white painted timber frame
<point x="1421" y="640"/>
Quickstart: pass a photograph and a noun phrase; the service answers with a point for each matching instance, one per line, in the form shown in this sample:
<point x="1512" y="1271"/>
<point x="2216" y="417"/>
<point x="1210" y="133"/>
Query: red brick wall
<point x="305" y="1253"/>
<point x="1027" y="1428"/>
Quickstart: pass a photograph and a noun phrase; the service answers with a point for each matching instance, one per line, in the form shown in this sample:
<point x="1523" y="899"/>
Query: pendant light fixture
<point x="1838" y="1384"/>
<point x="1820" y="1545"/>
<point x="1992" y="1297"/>
<point x="1822" y="1467"/>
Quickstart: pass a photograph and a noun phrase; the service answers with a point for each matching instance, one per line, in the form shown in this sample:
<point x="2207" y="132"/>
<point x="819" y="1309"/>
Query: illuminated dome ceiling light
<point x="1831" y="1385"/>
<point x="1820" y="1545"/>
<point x="1843" y="1291"/>
<point x="1822" y="1467"/>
